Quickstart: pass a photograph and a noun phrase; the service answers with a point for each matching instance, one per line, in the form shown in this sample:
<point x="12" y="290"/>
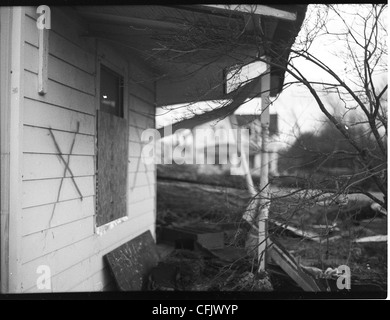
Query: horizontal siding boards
<point x="141" y="106"/>
<point x="141" y="193"/>
<point x="65" y="258"/>
<point x="41" y="192"/>
<point x="60" y="47"/>
<point x="39" y="140"/>
<point x="44" y="115"/>
<point x="135" y="149"/>
<point x="141" y="208"/>
<point x="41" y="243"/>
<point x="64" y="25"/>
<point x="98" y="281"/>
<point x="47" y="166"/>
<point x="60" y="71"/>
<point x="140" y="121"/>
<point x="135" y="134"/>
<point x="139" y="92"/>
<point x="39" y="218"/>
<point x="136" y="164"/>
<point x="70" y="247"/>
<point x="141" y="178"/>
<point x="59" y="95"/>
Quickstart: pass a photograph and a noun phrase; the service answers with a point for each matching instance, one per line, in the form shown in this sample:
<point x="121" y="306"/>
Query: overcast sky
<point x="295" y="106"/>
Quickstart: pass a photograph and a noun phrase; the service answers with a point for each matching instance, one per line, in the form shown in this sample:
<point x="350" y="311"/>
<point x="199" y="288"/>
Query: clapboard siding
<point x="39" y="140"/>
<point x="58" y="228"/>
<point x="41" y="192"/>
<point x="60" y="71"/>
<point x="66" y="26"/>
<point x="59" y="95"/>
<point x="38" y="244"/>
<point x="39" y="218"/>
<point x="141" y="106"/>
<point x="44" y="115"/>
<point x="141" y="193"/>
<point x="136" y="164"/>
<point x="140" y="121"/>
<point x="137" y="209"/>
<point x="141" y="179"/>
<point x="61" y="48"/>
<point x="65" y="258"/>
<point x="135" y="134"/>
<point x="47" y="166"/>
<point x="140" y="93"/>
<point x="99" y="281"/>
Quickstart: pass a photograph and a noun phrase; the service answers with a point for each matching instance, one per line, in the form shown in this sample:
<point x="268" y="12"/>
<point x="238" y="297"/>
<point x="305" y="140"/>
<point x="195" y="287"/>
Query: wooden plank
<point x="136" y="164"/>
<point x="141" y="179"/>
<point x="67" y="279"/>
<point x="5" y="144"/>
<point x="48" y="116"/>
<point x="72" y="254"/>
<point x="377" y="238"/>
<point x="292" y="268"/>
<point x="141" y="193"/>
<point x="135" y="149"/>
<point x="112" y="167"/>
<point x="140" y="93"/>
<point x="41" y="243"/>
<point x="47" y="166"/>
<point x="141" y="104"/>
<point x="61" y="48"/>
<point x="135" y="134"/>
<point x="140" y="208"/>
<point x="39" y="218"/>
<point x="38" y="140"/>
<point x="131" y="262"/>
<point x="41" y="192"/>
<point x="43" y="57"/>
<point x="97" y="282"/>
<point x="15" y="100"/>
<point x="255" y="9"/>
<point x="140" y="121"/>
<point x="60" y="71"/>
<point x="305" y="234"/>
<point x="64" y="22"/>
<point x="59" y="95"/>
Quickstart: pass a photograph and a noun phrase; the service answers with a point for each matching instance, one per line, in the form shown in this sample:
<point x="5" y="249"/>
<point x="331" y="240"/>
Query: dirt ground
<point x="183" y="202"/>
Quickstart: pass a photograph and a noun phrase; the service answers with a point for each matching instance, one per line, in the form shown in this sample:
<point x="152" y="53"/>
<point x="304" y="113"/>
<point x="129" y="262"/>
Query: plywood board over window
<point x="112" y="167"/>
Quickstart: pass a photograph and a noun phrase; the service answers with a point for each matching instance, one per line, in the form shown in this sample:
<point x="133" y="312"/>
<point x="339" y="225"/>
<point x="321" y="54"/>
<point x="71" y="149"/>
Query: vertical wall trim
<point x="16" y="156"/>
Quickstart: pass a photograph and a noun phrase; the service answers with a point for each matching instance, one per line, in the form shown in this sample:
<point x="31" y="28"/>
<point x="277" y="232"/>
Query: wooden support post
<point x="264" y="193"/>
<point x="11" y="125"/>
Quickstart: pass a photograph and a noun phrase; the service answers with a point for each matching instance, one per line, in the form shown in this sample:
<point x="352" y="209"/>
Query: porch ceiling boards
<point x="189" y="46"/>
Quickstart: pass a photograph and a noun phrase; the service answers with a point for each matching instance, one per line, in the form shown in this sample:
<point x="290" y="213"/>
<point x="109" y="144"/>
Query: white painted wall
<point x="67" y="241"/>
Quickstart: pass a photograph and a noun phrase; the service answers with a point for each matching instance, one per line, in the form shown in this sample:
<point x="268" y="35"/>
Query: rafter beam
<point x="255" y="9"/>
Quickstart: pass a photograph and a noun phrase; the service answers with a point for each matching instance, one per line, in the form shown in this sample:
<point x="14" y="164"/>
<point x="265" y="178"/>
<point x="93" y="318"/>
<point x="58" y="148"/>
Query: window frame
<point x="121" y="70"/>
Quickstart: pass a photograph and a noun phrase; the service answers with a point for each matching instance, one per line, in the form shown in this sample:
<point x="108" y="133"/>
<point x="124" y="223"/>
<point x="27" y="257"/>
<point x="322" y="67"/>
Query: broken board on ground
<point x="131" y="263"/>
<point x="288" y="264"/>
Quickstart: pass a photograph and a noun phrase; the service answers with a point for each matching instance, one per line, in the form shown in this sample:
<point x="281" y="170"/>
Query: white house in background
<point x="214" y="140"/>
<point x="77" y="90"/>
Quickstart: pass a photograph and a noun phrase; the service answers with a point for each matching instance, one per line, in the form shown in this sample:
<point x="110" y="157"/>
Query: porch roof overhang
<point x="168" y="39"/>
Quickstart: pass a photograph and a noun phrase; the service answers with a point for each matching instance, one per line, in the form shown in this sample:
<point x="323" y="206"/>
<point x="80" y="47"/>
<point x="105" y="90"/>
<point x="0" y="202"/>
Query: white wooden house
<point x="75" y="98"/>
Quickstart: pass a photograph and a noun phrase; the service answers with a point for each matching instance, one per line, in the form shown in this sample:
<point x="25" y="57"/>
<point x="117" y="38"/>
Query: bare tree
<point x="359" y="34"/>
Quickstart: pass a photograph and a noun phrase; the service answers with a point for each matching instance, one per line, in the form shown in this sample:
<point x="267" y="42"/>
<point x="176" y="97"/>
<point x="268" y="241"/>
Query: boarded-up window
<point x="112" y="149"/>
